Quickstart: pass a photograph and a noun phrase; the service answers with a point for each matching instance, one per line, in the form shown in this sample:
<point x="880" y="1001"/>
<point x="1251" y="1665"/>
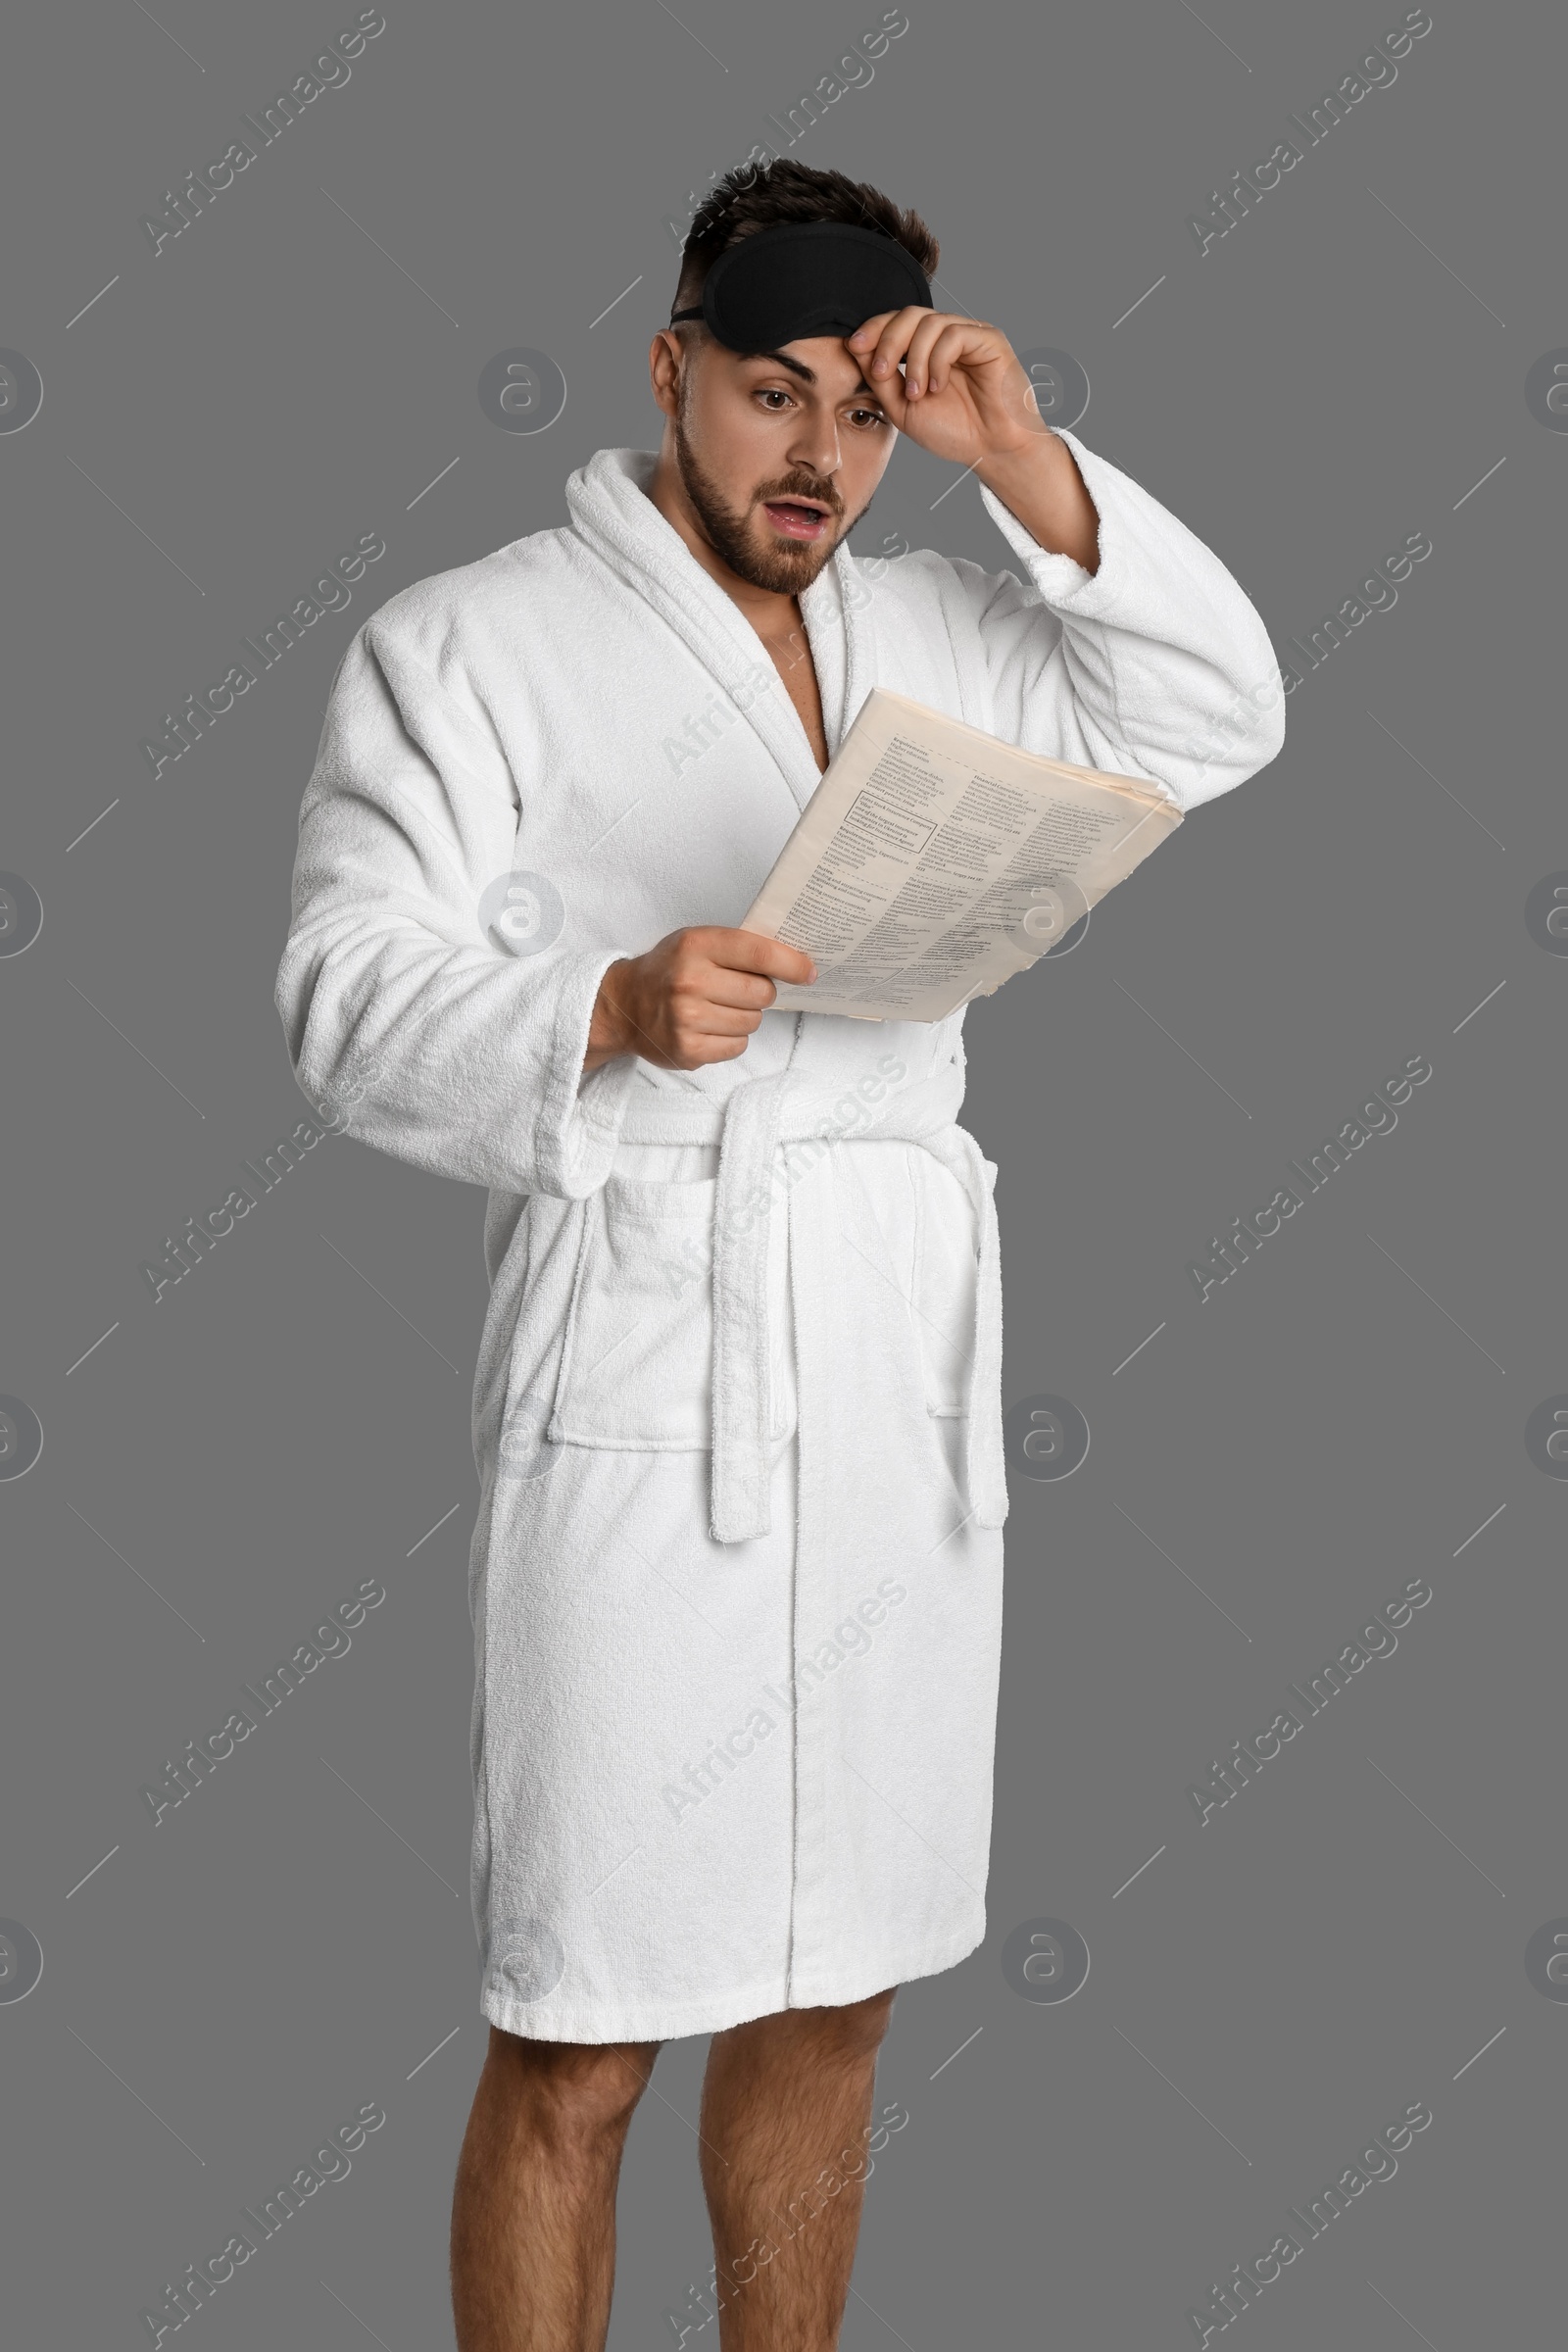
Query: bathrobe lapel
<point x="612" y="514"/>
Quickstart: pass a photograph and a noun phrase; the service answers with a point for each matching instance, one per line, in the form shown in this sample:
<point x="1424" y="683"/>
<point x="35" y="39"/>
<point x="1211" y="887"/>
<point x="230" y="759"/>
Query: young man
<point x="736" y="1578"/>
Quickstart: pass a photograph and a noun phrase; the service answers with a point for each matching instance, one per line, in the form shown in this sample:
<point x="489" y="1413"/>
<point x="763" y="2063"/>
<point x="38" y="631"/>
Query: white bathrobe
<point x="736" y="1575"/>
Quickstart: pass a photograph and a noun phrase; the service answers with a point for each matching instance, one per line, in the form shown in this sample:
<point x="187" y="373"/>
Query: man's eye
<point x="874" y="415"/>
<point x="772" y="392"/>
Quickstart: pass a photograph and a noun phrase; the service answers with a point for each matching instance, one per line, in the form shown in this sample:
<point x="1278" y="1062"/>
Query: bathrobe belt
<point x="762" y="1116"/>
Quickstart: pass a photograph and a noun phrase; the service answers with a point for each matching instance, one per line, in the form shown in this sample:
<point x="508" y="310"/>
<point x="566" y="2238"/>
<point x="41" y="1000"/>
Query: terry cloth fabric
<point x="735" y="1576"/>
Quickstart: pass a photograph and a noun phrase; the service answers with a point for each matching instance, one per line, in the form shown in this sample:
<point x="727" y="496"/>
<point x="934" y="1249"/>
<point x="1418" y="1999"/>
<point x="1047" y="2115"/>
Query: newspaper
<point x="934" y="861"/>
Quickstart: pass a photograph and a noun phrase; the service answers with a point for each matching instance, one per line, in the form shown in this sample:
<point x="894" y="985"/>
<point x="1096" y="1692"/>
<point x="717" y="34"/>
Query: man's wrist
<point x="1038" y="480"/>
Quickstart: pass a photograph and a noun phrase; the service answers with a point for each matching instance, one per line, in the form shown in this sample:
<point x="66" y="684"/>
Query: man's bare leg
<point x="786" y="2100"/>
<point x="533" y="2211"/>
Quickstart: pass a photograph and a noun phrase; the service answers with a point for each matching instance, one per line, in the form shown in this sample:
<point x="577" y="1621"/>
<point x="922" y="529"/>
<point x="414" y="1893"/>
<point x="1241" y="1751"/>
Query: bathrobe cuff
<point x="580" y="1130"/>
<point x="479" y="1077"/>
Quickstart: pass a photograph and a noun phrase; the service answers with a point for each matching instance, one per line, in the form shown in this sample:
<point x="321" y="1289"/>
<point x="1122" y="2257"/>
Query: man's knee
<point x="576" y="2093"/>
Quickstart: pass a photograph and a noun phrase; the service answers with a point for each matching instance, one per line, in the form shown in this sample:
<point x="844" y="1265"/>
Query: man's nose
<point x="816" y="449"/>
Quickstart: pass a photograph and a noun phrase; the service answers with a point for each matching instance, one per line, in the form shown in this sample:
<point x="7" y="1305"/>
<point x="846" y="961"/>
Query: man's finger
<point x="750" y="952"/>
<point x="748" y="992"/>
<point x="721" y="1020"/>
<point x="880" y="367"/>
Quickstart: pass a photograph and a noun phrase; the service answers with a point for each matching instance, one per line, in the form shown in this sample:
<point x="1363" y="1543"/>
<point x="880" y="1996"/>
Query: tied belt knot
<point x="760" y="1117"/>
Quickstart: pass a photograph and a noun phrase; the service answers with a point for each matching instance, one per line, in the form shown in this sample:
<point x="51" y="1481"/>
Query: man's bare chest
<point x="792" y="657"/>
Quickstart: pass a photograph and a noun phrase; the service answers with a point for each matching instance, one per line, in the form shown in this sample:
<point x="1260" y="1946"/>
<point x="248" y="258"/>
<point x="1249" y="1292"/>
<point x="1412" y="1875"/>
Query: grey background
<point x="1345" y="1414"/>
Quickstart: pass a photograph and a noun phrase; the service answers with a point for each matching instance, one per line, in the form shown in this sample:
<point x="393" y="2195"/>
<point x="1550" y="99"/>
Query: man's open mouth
<point x="797" y="518"/>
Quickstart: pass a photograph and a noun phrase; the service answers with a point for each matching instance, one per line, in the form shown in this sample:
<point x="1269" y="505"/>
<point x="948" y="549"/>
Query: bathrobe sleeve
<point x="1155" y="667"/>
<point x="404" y="1024"/>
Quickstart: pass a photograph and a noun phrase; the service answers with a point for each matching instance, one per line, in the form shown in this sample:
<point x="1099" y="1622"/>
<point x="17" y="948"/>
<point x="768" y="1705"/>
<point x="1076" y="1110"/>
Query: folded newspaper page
<point x="934" y="861"/>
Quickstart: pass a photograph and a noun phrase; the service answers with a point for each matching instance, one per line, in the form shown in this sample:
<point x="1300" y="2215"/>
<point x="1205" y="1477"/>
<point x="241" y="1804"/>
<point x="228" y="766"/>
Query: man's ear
<point x="669" y="357"/>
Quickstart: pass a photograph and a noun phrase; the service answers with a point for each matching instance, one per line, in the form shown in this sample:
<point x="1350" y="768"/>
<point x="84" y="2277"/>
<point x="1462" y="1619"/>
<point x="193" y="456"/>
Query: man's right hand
<point x="694" y="998"/>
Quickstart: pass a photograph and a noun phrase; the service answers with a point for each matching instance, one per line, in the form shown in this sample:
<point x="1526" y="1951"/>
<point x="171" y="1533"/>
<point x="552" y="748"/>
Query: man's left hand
<point x="963" y="393"/>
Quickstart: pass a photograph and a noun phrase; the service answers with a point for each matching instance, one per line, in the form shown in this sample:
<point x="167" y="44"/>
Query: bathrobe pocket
<point x="637" y="1364"/>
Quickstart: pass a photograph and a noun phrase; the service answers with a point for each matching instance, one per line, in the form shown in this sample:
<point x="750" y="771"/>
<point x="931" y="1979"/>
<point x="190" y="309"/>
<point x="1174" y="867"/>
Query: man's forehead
<point x="817" y="359"/>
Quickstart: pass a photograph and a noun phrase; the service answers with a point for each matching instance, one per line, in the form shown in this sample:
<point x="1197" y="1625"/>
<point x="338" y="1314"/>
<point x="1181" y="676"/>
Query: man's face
<point x="779" y="454"/>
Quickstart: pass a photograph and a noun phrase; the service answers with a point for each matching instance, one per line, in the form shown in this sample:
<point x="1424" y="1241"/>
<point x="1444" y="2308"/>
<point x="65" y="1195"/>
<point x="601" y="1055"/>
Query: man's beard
<point x="785" y="566"/>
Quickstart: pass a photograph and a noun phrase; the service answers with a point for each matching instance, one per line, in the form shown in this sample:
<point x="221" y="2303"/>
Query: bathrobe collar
<point x="613" y="513"/>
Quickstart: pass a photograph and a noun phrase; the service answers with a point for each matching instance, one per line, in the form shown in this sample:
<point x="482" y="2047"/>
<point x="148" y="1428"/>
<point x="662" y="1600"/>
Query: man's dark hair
<point x="758" y="196"/>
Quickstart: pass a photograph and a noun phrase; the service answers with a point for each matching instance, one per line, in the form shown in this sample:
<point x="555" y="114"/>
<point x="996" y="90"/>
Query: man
<point x="736" y="1578"/>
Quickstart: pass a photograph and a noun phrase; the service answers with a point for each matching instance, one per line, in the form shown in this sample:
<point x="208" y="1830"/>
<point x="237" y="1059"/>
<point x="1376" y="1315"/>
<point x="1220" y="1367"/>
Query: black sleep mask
<point x="804" y="278"/>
